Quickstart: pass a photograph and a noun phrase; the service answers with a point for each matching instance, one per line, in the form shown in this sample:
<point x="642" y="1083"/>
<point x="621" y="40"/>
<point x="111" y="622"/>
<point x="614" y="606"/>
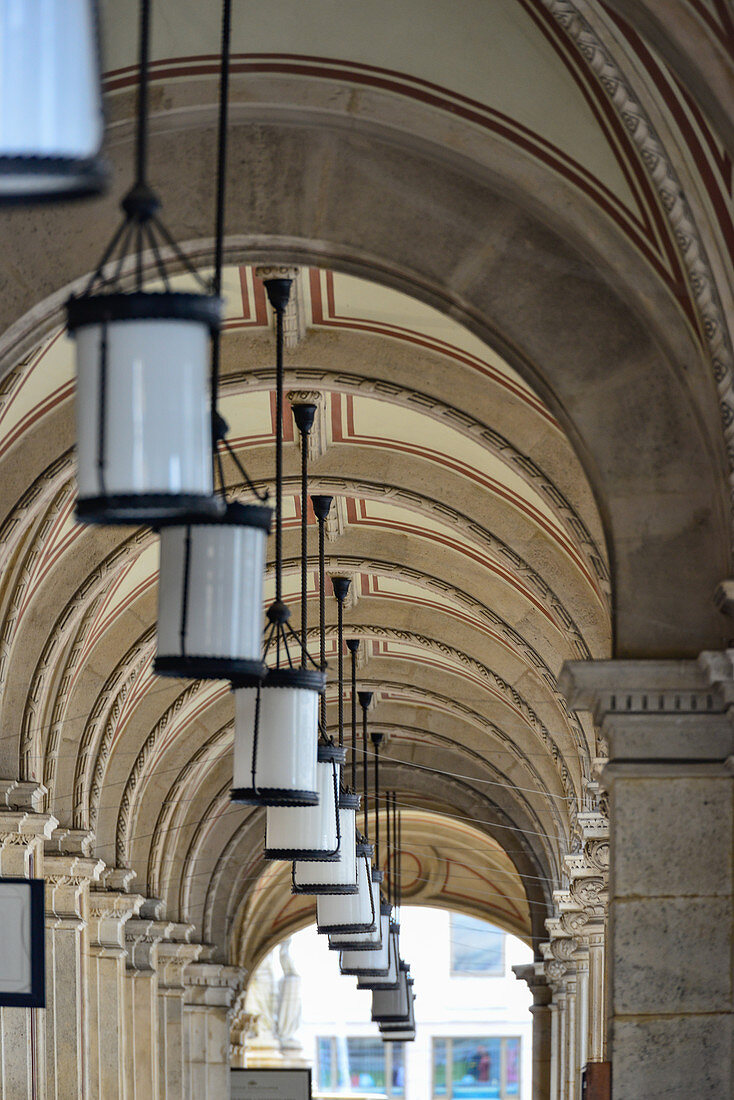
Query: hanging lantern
<point x="143" y="418"/>
<point x="310" y="832"/>
<point x="276" y="723"/>
<point x="51" y="120"/>
<point x="210" y="595"/>
<point x="143" y="401"/>
<point x="338" y="877"/>
<point x="210" y="588"/>
<point x="390" y="979"/>
<point x="356" y="912"/>
<point x="275" y="740"/>
<point x="373" y="963"/>
<point x="403" y="1030"/>
<point x="364" y="942"/>
<point x="392" y="1005"/>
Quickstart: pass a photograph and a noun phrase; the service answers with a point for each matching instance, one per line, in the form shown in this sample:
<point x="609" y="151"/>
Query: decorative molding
<point x="313" y="379"/>
<point x="674" y="205"/>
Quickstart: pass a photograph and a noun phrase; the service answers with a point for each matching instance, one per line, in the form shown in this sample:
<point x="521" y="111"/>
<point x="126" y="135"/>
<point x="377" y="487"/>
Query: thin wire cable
<point x="278" y="457"/>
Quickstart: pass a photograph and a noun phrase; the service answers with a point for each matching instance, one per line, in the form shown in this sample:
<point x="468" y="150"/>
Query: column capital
<point x="659" y="714"/>
<point x="109" y="911"/>
<point x="536" y="982"/>
<point x="24" y="826"/>
<point x="67" y="880"/>
<point x="213" y="984"/>
<point x="20" y="794"/>
<point x="142" y="936"/>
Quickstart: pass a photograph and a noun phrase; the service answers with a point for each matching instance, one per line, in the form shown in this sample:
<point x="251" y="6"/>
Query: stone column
<point x="175" y="953"/>
<point x="68" y="878"/>
<point x="671" y="785"/>
<point x="109" y="911"/>
<point x="142" y="936"/>
<point x="541" y="1013"/>
<point x="211" y="989"/>
<point x="23" y="1030"/>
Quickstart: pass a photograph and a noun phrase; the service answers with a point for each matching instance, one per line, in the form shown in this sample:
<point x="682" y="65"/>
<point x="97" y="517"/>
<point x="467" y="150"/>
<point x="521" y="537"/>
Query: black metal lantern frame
<point x="327" y="754"/>
<point x="285" y="655"/>
<point x="50" y="177"/>
<point x="106" y="301"/>
<point x="347" y="801"/>
<point x="399" y="995"/>
<point x="364" y="853"/>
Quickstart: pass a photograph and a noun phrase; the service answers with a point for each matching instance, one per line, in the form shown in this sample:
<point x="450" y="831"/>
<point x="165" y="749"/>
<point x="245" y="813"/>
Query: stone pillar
<point x="109" y="911"/>
<point x="541" y="1013"/>
<point x="211" y="989"/>
<point x="23" y="1030"/>
<point x="142" y="936"/>
<point x="671" y="785"/>
<point x="175" y="953"/>
<point x="68" y="879"/>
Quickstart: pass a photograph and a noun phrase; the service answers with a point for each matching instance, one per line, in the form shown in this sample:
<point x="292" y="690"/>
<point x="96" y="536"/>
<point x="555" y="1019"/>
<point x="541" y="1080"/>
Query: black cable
<point x="340" y="668"/>
<point x="353" y="646"/>
<point x="376" y="741"/>
<point x="278" y="455"/>
<point x="388" y="862"/>
<point x="304" y="547"/>
<point x="219" y="216"/>
<point x="141" y="138"/>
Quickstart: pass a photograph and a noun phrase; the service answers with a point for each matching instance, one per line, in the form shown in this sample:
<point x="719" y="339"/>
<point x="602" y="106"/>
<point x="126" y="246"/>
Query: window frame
<point x="449" y="1040"/>
<point x="492" y="973"/>
<point x="388" y="1049"/>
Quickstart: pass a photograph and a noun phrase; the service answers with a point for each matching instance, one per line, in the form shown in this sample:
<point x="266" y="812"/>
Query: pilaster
<point x="175" y="953"/>
<point x="671" y="786"/>
<point x="68" y="878"/>
<point x="541" y="1013"/>
<point x="142" y="936"/>
<point x="211" y="989"/>
<point x="109" y="912"/>
<point x="23" y="832"/>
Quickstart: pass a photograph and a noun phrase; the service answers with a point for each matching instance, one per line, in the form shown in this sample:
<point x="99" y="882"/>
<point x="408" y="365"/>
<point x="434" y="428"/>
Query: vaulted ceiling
<point x="522" y="381"/>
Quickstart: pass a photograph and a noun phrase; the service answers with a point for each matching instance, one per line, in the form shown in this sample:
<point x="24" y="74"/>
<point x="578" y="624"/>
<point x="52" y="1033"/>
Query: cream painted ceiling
<point x="495" y="55"/>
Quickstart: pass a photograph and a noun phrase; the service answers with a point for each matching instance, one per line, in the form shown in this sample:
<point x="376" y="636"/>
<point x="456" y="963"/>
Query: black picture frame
<point x="36" y="997"/>
<point x="265" y="1077"/>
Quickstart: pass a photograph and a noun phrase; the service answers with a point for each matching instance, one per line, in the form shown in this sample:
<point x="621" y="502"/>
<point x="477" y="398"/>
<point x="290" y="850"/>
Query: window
<point x="367" y="1067"/>
<point x="476" y="1069"/>
<point x="476" y="948"/>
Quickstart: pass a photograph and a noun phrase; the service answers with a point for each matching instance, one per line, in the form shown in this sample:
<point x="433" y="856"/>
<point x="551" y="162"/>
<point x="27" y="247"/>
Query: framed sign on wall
<point x="22" y="943"/>
<point x="271" y="1084"/>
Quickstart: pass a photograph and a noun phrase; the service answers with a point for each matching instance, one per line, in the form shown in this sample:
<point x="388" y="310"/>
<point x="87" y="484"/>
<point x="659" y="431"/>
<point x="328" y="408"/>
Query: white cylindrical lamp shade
<point x="210" y="595"/>
<point x="51" y="120"/>
<point x="389" y="980"/>
<point x="364" y="941"/>
<point x="143" y="406"/>
<point x="392" y="1005"/>
<point x="389" y="1027"/>
<point x="276" y="739"/>
<point x="355" y="912"/>
<point x="309" y="832"/>
<point x="337" y="877"/>
<point x="370" y="964"/>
